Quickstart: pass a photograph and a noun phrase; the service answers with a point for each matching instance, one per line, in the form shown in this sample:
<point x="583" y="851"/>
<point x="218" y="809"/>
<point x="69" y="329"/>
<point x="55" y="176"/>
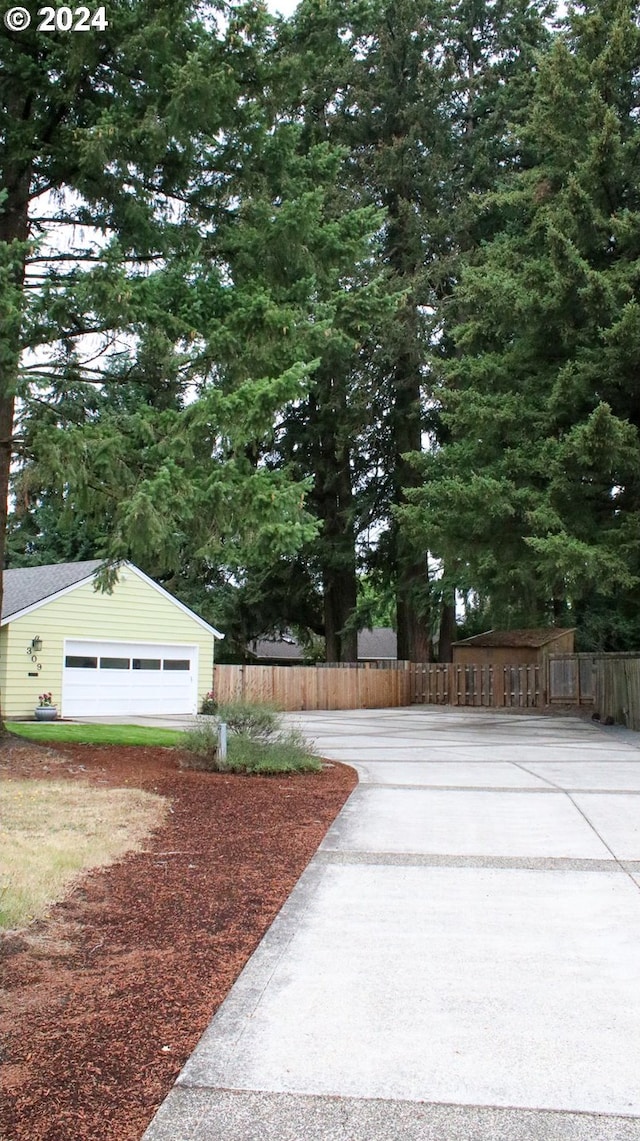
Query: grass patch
<point x="54" y="830"/>
<point x="62" y="732"/>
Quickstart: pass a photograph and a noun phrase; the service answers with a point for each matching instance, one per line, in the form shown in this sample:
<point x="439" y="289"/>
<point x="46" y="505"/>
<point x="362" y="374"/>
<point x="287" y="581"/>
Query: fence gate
<point x="516" y="686"/>
<point x="571" y="679"/>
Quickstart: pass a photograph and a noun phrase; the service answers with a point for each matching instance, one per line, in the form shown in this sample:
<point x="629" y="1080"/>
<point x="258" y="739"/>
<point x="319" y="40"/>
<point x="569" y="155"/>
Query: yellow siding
<point x="135" y="611"/>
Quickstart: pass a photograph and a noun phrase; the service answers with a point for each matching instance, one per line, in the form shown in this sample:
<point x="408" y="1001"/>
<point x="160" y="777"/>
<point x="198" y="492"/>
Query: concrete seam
<point x="336" y="1098"/>
<point x="439" y="860"/>
<point x="586" y="820"/>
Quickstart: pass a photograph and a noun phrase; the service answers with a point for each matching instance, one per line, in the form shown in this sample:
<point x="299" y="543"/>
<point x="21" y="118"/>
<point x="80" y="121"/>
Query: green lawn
<point x="53" y="732"/>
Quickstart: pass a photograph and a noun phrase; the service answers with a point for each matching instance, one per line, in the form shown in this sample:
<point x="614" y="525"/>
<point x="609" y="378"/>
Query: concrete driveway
<point x="461" y="959"/>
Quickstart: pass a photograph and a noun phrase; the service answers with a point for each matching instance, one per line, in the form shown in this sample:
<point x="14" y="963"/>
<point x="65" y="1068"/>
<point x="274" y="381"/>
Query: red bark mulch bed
<point x="105" y="999"/>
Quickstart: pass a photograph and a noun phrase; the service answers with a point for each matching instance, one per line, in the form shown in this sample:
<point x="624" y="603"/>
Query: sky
<point x="59" y="237"/>
<point x="284" y="7"/>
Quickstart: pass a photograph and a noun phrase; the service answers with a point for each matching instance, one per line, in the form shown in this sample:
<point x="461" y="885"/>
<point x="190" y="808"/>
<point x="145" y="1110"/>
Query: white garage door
<point x="103" y="678"/>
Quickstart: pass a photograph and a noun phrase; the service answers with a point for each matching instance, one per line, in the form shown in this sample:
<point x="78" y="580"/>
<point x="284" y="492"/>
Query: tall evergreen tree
<point x="420" y="96"/>
<point x="101" y="138"/>
<point x="86" y="140"/>
<point x="533" y="502"/>
<point x="328" y="232"/>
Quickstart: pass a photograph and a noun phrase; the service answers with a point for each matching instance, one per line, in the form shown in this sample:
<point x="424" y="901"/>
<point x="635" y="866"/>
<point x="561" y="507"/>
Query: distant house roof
<point x="26" y="586"/>
<point x="285" y="647"/>
<point x="532" y="639"/>
<point x="377" y="644"/>
<point x="373" y="645"/>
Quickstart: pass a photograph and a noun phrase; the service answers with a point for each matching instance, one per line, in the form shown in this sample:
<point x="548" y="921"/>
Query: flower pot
<point x="46" y="712"/>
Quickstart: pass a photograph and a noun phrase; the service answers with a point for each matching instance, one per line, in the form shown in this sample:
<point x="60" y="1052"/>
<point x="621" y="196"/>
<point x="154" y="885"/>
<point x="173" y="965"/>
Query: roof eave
<point x="45" y="601"/>
<point x="89" y="578"/>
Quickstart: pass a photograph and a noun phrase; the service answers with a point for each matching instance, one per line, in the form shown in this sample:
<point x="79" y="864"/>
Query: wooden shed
<point x="513" y="647"/>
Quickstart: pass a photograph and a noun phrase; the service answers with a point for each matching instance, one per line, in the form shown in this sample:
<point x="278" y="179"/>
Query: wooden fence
<point x="617" y="689"/>
<point x="610" y="683"/>
<point x="516" y="686"/>
<point x="305" y="687"/>
<point x="571" y="679"/>
<point x="372" y="664"/>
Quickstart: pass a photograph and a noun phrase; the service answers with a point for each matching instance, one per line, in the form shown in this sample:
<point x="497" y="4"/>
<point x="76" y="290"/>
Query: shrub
<point x="201" y="747"/>
<point x="259" y="722"/>
<point x="262" y="747"/>
<point x="288" y="753"/>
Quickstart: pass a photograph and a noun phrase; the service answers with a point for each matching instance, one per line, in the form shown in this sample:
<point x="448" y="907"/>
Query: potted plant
<point x="209" y="706"/>
<point x="46" y="710"/>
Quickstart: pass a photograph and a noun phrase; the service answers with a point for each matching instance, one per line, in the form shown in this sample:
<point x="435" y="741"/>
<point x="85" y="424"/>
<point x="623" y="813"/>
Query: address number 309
<point x="71" y="19"/>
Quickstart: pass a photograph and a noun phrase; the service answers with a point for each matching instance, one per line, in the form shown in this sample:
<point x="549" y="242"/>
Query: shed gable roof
<point x="532" y="639"/>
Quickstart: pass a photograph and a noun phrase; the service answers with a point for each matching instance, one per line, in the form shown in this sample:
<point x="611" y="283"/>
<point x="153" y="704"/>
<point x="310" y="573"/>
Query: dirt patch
<point x="105" y="999"/>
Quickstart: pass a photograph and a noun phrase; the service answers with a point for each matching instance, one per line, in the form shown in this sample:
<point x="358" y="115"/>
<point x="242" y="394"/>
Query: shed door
<point x="113" y="678"/>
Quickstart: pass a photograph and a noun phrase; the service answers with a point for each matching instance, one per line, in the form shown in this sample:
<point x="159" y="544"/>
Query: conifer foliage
<point x="533" y="500"/>
<point x="291" y="306"/>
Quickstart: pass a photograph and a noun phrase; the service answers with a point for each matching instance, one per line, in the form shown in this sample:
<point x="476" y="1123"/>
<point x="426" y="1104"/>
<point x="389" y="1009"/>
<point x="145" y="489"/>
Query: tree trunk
<point x="414" y="641"/>
<point x="412" y="577"/>
<point x="332" y="500"/>
<point x="6" y="451"/>
<point x="447" y="630"/>
<point x="338" y="557"/>
<point x="14" y="231"/>
<point x="340" y="590"/>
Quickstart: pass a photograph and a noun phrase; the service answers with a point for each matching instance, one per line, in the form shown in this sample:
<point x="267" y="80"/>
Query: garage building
<point x="136" y="650"/>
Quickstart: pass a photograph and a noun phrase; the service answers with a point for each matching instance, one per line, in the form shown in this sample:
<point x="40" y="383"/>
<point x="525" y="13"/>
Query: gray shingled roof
<point x="25" y="586"/>
<point x="381" y="642"/>
<point x="277" y="649"/>
<point x="372" y="645"/>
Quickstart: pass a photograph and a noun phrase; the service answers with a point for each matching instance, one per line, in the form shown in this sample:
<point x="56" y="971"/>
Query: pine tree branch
<point x="130" y="259"/>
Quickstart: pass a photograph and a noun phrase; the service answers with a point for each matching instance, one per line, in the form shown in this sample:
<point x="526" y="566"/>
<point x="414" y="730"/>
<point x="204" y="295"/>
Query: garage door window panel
<point x="124" y="678"/>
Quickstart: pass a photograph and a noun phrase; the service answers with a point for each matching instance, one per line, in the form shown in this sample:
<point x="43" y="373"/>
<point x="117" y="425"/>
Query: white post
<point x="222" y="741"/>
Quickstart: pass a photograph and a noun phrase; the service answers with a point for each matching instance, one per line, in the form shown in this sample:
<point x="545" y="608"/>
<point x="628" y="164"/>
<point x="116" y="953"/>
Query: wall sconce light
<point x="36" y="644"/>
